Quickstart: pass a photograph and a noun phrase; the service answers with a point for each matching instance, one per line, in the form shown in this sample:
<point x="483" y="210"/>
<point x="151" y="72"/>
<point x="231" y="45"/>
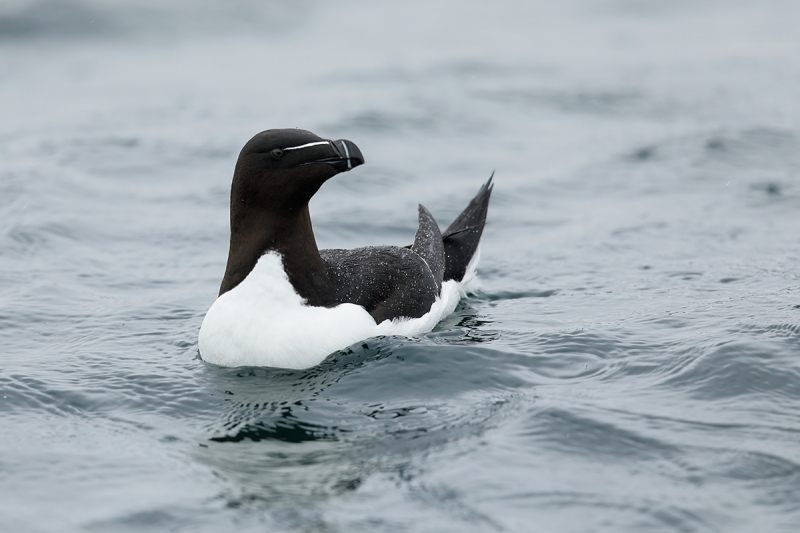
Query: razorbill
<point x="284" y="303"/>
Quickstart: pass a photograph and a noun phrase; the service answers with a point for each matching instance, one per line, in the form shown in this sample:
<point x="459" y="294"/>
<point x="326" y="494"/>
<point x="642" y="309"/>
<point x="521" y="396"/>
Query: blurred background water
<point x="632" y="363"/>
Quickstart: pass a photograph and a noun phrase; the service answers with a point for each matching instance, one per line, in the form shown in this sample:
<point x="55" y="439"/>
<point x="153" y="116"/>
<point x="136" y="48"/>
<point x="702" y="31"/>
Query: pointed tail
<point x="462" y="237"/>
<point x="428" y="244"/>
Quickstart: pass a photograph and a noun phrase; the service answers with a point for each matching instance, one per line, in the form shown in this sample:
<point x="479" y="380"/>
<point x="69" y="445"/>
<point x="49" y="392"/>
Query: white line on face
<point x="307" y="145"/>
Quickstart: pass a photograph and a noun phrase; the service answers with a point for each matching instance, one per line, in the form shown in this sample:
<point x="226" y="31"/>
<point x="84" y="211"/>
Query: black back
<point x="388" y="281"/>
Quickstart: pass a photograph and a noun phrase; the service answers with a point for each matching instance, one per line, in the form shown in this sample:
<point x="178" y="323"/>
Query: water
<point x="631" y="364"/>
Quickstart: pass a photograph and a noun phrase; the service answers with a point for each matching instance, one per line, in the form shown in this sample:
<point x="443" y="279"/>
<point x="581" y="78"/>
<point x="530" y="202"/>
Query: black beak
<point x="348" y="156"/>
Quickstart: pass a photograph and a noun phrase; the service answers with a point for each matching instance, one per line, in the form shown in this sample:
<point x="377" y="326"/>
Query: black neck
<point x="288" y="233"/>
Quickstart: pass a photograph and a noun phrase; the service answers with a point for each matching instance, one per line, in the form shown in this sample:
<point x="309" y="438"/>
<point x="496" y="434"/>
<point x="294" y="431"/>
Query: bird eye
<point x="277" y="153"/>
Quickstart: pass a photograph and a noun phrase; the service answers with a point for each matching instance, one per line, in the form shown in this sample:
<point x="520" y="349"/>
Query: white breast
<point x="264" y="322"/>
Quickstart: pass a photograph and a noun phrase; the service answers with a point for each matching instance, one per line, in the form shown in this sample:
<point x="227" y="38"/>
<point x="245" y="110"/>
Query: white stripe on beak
<point x="347" y="155"/>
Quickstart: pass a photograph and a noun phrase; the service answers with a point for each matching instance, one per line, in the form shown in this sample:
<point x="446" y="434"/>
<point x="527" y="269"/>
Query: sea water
<point x="632" y="362"/>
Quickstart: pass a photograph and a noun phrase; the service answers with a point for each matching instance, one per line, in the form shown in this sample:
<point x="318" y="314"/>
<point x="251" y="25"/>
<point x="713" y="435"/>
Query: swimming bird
<point x="284" y="303"/>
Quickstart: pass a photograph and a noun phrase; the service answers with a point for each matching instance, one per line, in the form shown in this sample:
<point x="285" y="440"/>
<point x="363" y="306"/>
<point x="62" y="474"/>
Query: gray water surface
<point x="631" y="364"/>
